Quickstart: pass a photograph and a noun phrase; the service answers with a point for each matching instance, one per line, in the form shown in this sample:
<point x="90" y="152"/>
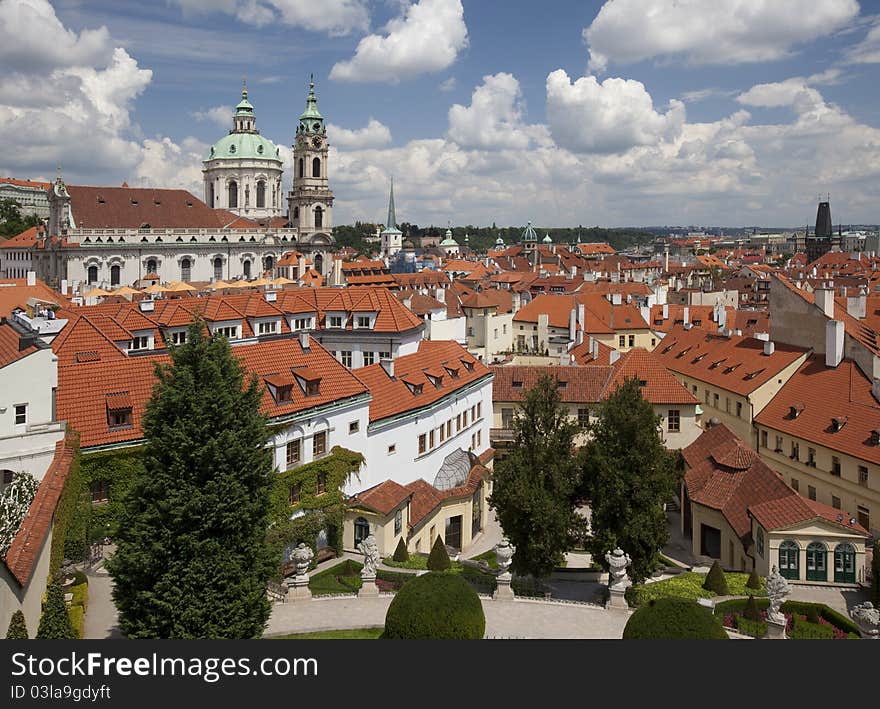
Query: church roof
<point x="244" y="146"/>
<point x="529" y="234"/>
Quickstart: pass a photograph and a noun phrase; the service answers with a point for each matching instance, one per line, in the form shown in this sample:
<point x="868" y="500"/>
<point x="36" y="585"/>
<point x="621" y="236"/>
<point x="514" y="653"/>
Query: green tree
<point x="12" y="222"/>
<point x="628" y="475"/>
<point x="55" y="621"/>
<point x="192" y="558"/>
<point x="17" y="627"/>
<point x="400" y="553"/>
<point x="438" y="559"/>
<point x="716" y="581"/>
<point x="534" y="488"/>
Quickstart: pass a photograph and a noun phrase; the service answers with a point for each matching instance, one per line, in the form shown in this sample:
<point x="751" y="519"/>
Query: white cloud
<point x="426" y="39"/>
<point x="791" y="92"/>
<point x="218" y="115"/>
<point x="703" y="94"/>
<point x="717" y="32"/>
<point x="448" y="85"/>
<point x="868" y="50"/>
<point x="166" y="164"/>
<point x="335" y="17"/>
<point x="374" y="135"/>
<point x="586" y="116"/>
<point x="494" y="118"/>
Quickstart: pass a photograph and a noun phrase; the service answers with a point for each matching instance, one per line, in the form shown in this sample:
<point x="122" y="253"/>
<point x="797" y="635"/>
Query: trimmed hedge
<point x="805" y="630"/>
<point x="673" y="619"/>
<point x="80" y="596"/>
<point x="754" y="581"/>
<point x="688" y="585"/>
<point x="737" y="605"/>
<point x="716" y="581"/>
<point x="55" y="621"/>
<point x="755" y="628"/>
<point x="77" y="620"/>
<point x="435" y="606"/>
<point x="751" y="611"/>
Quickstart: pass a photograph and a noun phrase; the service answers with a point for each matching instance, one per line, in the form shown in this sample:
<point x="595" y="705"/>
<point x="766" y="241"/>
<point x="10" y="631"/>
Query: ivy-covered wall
<point x="69" y="528"/>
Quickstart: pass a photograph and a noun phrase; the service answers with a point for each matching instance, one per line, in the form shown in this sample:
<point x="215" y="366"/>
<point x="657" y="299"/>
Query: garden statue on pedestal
<point x="370" y="550"/>
<point x="868" y="618"/>
<point x="618" y="580"/>
<point x="302" y="556"/>
<point x="504" y="552"/>
<point x="777" y="590"/>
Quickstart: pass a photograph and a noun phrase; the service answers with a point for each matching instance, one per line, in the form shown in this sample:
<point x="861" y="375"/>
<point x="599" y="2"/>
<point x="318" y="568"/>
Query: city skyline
<point x="479" y="120"/>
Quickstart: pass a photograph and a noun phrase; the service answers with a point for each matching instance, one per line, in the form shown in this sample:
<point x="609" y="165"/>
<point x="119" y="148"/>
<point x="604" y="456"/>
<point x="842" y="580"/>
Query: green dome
<point x="244" y="146"/>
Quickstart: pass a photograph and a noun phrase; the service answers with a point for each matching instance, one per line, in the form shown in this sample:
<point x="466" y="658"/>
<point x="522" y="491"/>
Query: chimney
<point x="574" y="271"/>
<point x="763" y="336"/>
<point x="32" y="278"/>
<point x="579" y="338"/>
<point x="824" y="298"/>
<point x="440" y="295"/>
<point x="572" y="324"/>
<point x="64" y="286"/>
<point x="833" y="342"/>
<point x="582" y="310"/>
<point x="687" y="315"/>
<point x="388" y="366"/>
<point x="857" y="306"/>
<point x="769" y="348"/>
<point x="594" y="348"/>
<point x="665" y="311"/>
<point x="738" y="332"/>
<point x="305" y="341"/>
<point x="616" y="299"/>
<point x="613" y="356"/>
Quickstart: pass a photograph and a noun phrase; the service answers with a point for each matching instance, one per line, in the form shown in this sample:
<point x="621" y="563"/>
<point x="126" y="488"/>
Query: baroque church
<point x="114" y="236"/>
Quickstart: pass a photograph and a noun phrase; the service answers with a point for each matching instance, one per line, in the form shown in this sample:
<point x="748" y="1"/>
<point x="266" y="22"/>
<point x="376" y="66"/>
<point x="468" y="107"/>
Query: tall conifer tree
<point x="192" y="559"/>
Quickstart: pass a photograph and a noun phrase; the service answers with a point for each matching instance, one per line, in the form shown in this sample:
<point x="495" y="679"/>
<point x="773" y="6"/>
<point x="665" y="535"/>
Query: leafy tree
<point x="401" y="554"/>
<point x="192" y="559"/>
<point x="716" y="581"/>
<point x="17" y="627"/>
<point x="55" y="621"/>
<point x="628" y="475"/>
<point x="534" y="488"/>
<point x="12" y="222"/>
<point x="438" y="559"/>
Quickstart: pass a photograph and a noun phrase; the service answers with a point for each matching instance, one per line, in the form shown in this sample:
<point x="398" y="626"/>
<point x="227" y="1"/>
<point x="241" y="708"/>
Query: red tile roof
<point x="9" y="345"/>
<point x="383" y="498"/>
<point x="842" y="392"/>
<point x="661" y="387"/>
<point x="21" y="558"/>
<point x="582" y="384"/>
<point x="14" y="293"/>
<point x="600" y="316"/>
<point x="392" y="396"/>
<point x="25" y="240"/>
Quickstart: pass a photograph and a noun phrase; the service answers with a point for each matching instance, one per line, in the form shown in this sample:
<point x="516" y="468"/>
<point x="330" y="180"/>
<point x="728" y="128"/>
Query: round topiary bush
<point x="435" y="605"/>
<point x="673" y="619"/>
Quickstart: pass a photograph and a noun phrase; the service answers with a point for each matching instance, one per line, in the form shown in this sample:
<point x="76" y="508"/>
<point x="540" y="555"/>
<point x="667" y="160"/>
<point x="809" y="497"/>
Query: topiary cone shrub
<point x="438" y="560"/>
<point x="716" y="581"/>
<point x="55" y="621"/>
<point x="401" y="554"/>
<point x="435" y="606"/>
<point x="673" y="619"/>
<point x="812" y="615"/>
<point x="754" y="581"/>
<point x="17" y="627"/>
<point x="751" y="612"/>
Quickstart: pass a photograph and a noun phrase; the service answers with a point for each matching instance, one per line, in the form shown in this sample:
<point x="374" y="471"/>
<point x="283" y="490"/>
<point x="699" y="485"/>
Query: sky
<point x="562" y="112"/>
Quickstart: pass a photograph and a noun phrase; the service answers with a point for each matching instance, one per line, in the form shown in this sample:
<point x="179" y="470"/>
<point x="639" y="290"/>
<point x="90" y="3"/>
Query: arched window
<point x="152" y="266"/>
<point x="114" y="275"/>
<point x="319" y="263"/>
<point x="211" y="194"/>
<point x="302" y="168"/>
<point x="268" y="263"/>
<point x="6" y="477"/>
<point x="218" y="269"/>
<point x="185" y="270"/>
<point x="295" y="213"/>
<point x="789" y="557"/>
<point x="261" y="194"/>
<point x="93" y="275"/>
<point x="316" y="167"/>
<point x="247" y="269"/>
<point x="844" y="563"/>
<point x="361" y="530"/>
<point x="233" y="194"/>
<point x="817" y="568"/>
<point x="319" y="218"/>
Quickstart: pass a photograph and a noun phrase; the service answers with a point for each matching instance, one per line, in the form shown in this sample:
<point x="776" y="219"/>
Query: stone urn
<point x="504" y="552"/>
<point x="302" y="557"/>
<point x="618" y="562"/>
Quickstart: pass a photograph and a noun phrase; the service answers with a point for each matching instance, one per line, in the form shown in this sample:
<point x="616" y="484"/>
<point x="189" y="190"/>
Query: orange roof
<point x="383" y="498"/>
<point x="660" y="387"/>
<point x="9" y="345"/>
<point x="25" y="183"/>
<point x="596" y="248"/>
<point x="25" y="240"/>
<point x="575" y="384"/>
<point x="841" y="392"/>
<point x="14" y="293"/>
<point x="392" y="397"/>
<point x="736" y="363"/>
<point x="600" y="316"/>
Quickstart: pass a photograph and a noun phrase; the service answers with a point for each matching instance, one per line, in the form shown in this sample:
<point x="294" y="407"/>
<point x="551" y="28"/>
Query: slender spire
<point x="244" y="88"/>
<point x="391" y="221"/>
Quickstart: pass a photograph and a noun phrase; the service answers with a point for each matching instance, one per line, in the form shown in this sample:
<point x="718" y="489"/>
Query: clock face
<point x="316" y="142"/>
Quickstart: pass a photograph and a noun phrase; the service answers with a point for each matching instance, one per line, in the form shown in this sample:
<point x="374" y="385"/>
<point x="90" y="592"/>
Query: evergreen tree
<point x="17" y="627"/>
<point x="534" y="487"/>
<point x="716" y="581"/>
<point x="628" y="476"/>
<point x="192" y="557"/>
<point x="55" y="621"/>
<point x="438" y="559"/>
<point x="400" y="553"/>
<point x="754" y="581"/>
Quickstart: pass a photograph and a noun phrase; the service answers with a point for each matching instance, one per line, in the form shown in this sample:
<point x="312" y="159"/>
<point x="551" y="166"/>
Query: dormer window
<point x="717" y="363"/>
<point x="453" y="371"/>
<point x="668" y="348"/>
<point x="683" y="353"/>
<point x="838" y="422"/>
<point x="119" y="410"/>
<point x="731" y="368"/>
<point x="516" y="384"/>
<point x="335" y="321"/>
<point x="699" y="357"/>
<point x="468" y="364"/>
<point x="309" y="381"/>
<point x="795" y="411"/>
<point x="875" y="437"/>
<point x="284" y="393"/>
<point x="363" y="321"/>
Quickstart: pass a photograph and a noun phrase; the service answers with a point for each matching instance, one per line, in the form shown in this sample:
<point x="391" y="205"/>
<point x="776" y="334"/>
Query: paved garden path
<point x="101" y="619"/>
<point x="504" y="619"/>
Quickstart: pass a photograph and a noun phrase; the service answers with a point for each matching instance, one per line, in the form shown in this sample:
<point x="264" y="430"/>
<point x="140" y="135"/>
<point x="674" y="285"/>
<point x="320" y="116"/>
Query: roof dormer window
<point x="119" y="410"/>
<point x="838" y="422"/>
<point x="875" y="437"/>
<point x="516" y="384"/>
<point x="795" y="410"/>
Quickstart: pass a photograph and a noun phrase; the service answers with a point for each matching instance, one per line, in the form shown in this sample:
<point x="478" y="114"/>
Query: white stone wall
<point x="447" y="329"/>
<point x="15" y="263"/>
<point x="246" y="173"/>
<point x="27" y="599"/>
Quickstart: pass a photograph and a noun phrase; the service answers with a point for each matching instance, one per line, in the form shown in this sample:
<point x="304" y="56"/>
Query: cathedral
<point x="113" y="236"/>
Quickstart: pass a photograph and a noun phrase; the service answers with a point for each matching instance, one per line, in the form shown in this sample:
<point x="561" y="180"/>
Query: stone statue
<point x="302" y="557"/>
<point x="777" y="590"/>
<point x="618" y="563"/>
<point x="370" y="550"/>
<point x="504" y="552"/>
<point x="866" y="614"/>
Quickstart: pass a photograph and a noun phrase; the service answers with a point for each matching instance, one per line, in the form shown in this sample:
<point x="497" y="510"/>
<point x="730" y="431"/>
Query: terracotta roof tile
<point x="582" y="384"/>
<point x="10" y="345"/>
<point x="383" y="498"/>
<point x="661" y="387"/>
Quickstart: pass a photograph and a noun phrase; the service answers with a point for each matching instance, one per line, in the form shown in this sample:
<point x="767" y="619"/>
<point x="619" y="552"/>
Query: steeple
<point x="391" y="222"/>
<point x="311" y="120"/>
<point x="244" y="120"/>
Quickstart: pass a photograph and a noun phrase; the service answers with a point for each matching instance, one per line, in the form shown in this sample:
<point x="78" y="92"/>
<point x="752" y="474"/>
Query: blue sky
<point x="627" y="112"/>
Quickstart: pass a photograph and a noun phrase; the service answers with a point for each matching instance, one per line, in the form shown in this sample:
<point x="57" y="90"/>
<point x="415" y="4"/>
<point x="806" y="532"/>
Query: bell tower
<point x="310" y="201"/>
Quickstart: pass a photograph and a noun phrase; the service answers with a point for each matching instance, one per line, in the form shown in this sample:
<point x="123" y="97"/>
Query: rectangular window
<point x="727" y="404"/>
<point x="763" y="439"/>
<point x="835" y="502"/>
<point x="504" y="329"/>
<point x="321" y="484"/>
<point x="431" y="438"/>
<point x="354" y="427"/>
<point x="369" y="358"/>
<point x="864" y="517"/>
<point x="458" y="423"/>
<point x="345" y="358"/>
<point x="384" y="355"/>
<point x="120" y="418"/>
<point x="673" y="421"/>
<point x="303" y="324"/>
<point x="632" y="340"/>
<point x="811" y="457"/>
<point x="335" y="321"/>
<point x="811" y="492"/>
<point x="739" y="410"/>
<point x="464" y="418"/>
<point x="760" y="542"/>
<point x="392" y="449"/>
<point x="835" y="466"/>
<point x="140" y="343"/>
<point x="293" y="494"/>
<point x="621" y="341"/>
<point x="423" y="443"/>
<point x="20" y="414"/>
<point x="294" y="453"/>
<point x="707" y="396"/>
<point x="442" y="432"/>
<point x="363" y="321"/>
<point x="473" y="413"/>
<point x="495" y="333"/>
<point x="267" y="328"/>
<point x="178" y="338"/>
<point x="583" y="417"/>
<point x="863" y="476"/>
<point x="479" y="409"/>
<point x="715" y="396"/>
<point x="778" y="448"/>
<point x="795" y="484"/>
<point x="479" y="438"/>
<point x="398" y="522"/>
<point x="100" y="490"/>
<point x="449" y="428"/>
<point x="795" y="451"/>
<point x="319" y="444"/>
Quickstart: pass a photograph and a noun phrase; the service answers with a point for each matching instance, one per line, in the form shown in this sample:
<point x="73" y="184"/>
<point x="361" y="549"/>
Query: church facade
<point x="113" y="236"/>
